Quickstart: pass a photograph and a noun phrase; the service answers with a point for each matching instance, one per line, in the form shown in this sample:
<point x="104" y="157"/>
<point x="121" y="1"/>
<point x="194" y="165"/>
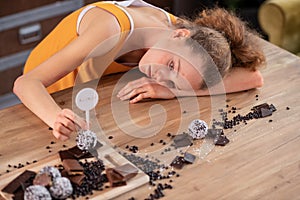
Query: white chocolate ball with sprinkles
<point x="52" y="171"/>
<point x="36" y="192"/>
<point x="198" y="129"/>
<point x="61" y="188"/>
<point x="86" y="140"/>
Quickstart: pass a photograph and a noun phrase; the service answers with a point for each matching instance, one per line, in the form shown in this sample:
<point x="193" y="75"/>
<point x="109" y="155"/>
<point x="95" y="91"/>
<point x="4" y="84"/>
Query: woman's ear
<point x="182" y="32"/>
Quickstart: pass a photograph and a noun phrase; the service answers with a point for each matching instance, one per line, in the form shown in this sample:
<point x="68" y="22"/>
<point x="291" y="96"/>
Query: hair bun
<point x="239" y="37"/>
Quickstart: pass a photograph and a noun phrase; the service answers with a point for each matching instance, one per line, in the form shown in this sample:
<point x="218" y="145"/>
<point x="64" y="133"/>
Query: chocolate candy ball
<point x="86" y="140"/>
<point x="198" y="129"/>
<point x="37" y="192"/>
<point x="61" y="188"/>
<point x="52" y="171"/>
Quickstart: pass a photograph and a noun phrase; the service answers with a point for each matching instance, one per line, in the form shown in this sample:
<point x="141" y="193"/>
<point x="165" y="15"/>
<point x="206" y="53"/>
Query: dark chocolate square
<point x="178" y="162"/>
<point x="65" y="154"/>
<point x="182" y="140"/>
<point x="189" y="158"/>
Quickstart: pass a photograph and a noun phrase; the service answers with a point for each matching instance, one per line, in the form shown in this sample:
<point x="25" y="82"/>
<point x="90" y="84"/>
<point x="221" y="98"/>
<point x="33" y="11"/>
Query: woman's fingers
<point x="133" y="85"/>
<point x="73" y="118"/>
<point x="66" y="123"/>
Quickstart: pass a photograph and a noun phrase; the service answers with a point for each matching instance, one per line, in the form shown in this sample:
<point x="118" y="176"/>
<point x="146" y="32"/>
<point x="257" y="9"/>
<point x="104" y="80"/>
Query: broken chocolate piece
<point x="18" y="181"/>
<point x="178" y="162"/>
<point x="78" y="179"/>
<point x="189" y="158"/>
<point x="222" y="140"/>
<point x="43" y="179"/>
<point x="182" y="140"/>
<point x="73" y="167"/>
<point x="78" y="153"/>
<point x="214" y="133"/>
<point x="115" y="179"/>
<point x="65" y="154"/>
<point x="264" y="110"/>
<point x="127" y="171"/>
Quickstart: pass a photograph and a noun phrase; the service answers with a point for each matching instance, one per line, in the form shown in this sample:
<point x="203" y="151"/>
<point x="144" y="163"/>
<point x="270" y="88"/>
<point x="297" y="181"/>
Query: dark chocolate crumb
<point x="9" y="165"/>
<point x="152" y="144"/>
<point x="169" y="134"/>
<point x="34" y="161"/>
<point x="49" y="151"/>
<point x="256" y="95"/>
<point x="184" y="112"/>
<point x="50" y="129"/>
<point x="52" y="142"/>
<point x="110" y="137"/>
<point x="48" y="147"/>
<point x="164" y="143"/>
<point x="270" y="120"/>
<point x="64" y="146"/>
<point x="27" y="163"/>
<point x="161" y="141"/>
<point x="7" y="171"/>
<point x="287" y="108"/>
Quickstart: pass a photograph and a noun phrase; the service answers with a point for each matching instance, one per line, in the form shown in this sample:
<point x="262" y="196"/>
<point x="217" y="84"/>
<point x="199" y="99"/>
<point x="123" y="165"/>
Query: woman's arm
<point x="31" y="87"/>
<point x="238" y="79"/>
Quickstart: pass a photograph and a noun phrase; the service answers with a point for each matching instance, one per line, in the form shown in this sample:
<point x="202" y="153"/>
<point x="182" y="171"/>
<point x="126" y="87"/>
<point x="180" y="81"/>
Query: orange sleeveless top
<point x="64" y="33"/>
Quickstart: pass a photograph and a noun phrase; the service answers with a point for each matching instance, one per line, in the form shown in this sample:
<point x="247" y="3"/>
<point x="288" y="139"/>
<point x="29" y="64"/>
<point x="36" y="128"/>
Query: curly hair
<point x="226" y="38"/>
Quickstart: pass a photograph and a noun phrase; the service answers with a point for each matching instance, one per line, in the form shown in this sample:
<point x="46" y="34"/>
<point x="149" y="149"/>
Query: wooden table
<point x="262" y="160"/>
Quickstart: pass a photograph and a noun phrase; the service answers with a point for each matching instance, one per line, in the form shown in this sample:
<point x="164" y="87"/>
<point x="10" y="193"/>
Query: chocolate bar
<point x="19" y="181"/>
<point x="73" y="167"/>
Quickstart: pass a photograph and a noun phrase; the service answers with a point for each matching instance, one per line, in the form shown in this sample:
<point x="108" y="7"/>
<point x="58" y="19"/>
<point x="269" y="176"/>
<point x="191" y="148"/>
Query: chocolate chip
<point x="110" y="137"/>
<point x="287" y="108"/>
<point x="50" y="129"/>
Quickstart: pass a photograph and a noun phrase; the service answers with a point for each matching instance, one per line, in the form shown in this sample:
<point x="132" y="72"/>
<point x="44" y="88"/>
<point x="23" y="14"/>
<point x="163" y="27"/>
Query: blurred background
<point x="23" y="24"/>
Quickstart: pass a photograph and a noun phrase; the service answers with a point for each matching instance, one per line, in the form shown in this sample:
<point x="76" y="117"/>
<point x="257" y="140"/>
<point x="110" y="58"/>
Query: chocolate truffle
<point x="36" y="192"/>
<point x="198" y="129"/>
<point x="86" y="140"/>
<point x="61" y="188"/>
<point x="52" y="171"/>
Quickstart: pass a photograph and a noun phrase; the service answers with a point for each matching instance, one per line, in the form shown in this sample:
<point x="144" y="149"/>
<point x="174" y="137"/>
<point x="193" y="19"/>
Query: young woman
<point x="135" y="32"/>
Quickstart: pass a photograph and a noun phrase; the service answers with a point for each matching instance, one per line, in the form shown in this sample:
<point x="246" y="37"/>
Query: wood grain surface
<point x="262" y="160"/>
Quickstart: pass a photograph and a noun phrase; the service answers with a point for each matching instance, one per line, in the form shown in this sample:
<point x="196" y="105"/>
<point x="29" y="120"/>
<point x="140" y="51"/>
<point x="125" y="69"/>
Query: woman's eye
<point x="171" y="66"/>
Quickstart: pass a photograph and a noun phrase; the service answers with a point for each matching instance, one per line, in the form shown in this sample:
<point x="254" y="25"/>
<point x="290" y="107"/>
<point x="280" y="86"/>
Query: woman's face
<point x="169" y="64"/>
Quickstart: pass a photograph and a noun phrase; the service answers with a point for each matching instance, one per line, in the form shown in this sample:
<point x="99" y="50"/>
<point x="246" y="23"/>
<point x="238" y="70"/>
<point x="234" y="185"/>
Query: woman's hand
<point x="144" y="88"/>
<point x="66" y="123"/>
